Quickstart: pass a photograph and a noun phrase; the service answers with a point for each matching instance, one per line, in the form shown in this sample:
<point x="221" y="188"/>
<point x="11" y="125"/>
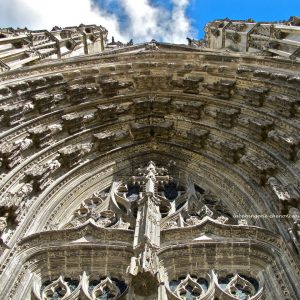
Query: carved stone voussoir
<point x="12" y="114"/>
<point x="40" y="175"/>
<point x="71" y="155"/>
<point x="79" y="93"/>
<point x="255" y="95"/>
<point x="262" y="73"/>
<point x="107" y="112"/>
<point x="142" y="105"/>
<point x="288" y="144"/>
<point x="41" y="136"/>
<point x="161" y="105"/>
<point x="109" y="139"/>
<point x="260" y="168"/>
<point x="287" y="196"/>
<point x="260" y="127"/>
<point x="152" y="82"/>
<point x="244" y="70"/>
<point x="226" y="117"/>
<point x="73" y="122"/>
<point x="189" y="84"/>
<point x="198" y="136"/>
<point x="104" y="139"/>
<point x="19" y="87"/>
<point x="10" y="154"/>
<point x="4" y="91"/>
<point x="148" y="131"/>
<point x="54" y="78"/>
<point x="124" y="108"/>
<point x="285" y="105"/>
<point x="189" y="109"/>
<point x="111" y="87"/>
<point x="44" y="102"/>
<point x="222" y="89"/>
<point x="230" y="150"/>
<point x="36" y="82"/>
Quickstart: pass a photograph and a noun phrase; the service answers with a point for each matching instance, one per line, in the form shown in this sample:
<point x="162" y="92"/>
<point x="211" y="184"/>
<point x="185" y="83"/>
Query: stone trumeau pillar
<point x="145" y="271"/>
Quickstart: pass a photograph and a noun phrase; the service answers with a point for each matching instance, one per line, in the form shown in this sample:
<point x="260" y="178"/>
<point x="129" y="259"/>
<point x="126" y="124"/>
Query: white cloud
<point x="145" y="21"/>
<point x="181" y="25"/>
<point x="44" y="14"/>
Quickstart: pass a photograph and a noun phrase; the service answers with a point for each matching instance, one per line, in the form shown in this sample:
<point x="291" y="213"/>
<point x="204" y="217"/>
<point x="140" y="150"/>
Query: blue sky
<point x="203" y="11"/>
<point x="142" y="20"/>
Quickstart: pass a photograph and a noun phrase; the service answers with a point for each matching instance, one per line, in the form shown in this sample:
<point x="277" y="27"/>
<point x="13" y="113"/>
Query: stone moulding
<point x="89" y="228"/>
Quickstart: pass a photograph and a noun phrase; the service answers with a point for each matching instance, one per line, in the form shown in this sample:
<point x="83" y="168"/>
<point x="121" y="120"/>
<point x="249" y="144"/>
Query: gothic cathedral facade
<point x="153" y="171"/>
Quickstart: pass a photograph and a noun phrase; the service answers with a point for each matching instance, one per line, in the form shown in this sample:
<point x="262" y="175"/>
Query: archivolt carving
<point x="148" y="189"/>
